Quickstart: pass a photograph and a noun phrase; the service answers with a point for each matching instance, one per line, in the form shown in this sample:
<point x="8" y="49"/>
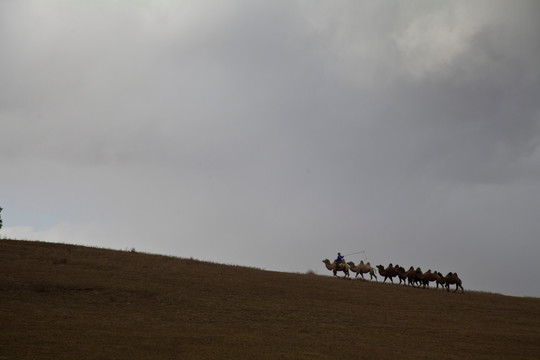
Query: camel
<point x="441" y="280"/>
<point x="403" y="275"/>
<point x="413" y="276"/>
<point x="429" y="276"/>
<point x="389" y="272"/>
<point x="334" y="268"/>
<point x="453" y="278"/>
<point x="418" y="273"/>
<point x="363" y="269"/>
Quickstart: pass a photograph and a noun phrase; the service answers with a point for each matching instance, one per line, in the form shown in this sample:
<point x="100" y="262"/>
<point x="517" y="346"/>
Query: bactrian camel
<point x="452" y="278"/>
<point x="429" y="276"/>
<point x="363" y="269"/>
<point x="335" y="268"/>
<point x="390" y="272"/>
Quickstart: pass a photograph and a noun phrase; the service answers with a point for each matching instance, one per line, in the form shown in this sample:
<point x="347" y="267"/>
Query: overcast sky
<point x="276" y="133"/>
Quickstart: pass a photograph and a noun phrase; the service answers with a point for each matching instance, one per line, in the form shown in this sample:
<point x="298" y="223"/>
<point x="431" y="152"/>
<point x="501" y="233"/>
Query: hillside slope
<point x="65" y="302"/>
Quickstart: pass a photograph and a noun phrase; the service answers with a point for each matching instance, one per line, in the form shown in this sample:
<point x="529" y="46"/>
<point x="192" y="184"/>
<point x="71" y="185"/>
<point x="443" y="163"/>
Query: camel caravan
<point x="414" y="277"/>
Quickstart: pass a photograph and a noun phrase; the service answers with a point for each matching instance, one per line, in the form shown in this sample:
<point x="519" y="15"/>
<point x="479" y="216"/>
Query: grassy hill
<point x="70" y="302"/>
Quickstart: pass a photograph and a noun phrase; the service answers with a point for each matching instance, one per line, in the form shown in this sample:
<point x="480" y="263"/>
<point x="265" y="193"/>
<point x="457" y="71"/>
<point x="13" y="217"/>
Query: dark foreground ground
<point x="70" y="302"/>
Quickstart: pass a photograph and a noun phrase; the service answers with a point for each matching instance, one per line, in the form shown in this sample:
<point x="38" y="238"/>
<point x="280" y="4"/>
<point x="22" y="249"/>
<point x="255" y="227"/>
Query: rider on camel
<point x="340" y="259"/>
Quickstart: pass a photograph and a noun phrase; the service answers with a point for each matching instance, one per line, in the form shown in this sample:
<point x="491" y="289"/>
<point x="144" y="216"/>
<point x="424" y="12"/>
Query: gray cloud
<point x="276" y="134"/>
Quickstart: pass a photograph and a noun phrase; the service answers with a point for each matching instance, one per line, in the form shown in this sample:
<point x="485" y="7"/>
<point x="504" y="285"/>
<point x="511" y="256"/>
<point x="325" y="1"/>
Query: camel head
<point x="330" y="266"/>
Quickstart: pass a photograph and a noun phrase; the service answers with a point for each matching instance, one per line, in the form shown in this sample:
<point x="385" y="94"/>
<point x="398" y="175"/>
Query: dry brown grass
<point x="70" y="302"/>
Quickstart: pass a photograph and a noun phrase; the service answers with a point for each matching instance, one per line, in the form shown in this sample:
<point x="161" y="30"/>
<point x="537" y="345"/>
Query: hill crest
<point x="64" y="301"/>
